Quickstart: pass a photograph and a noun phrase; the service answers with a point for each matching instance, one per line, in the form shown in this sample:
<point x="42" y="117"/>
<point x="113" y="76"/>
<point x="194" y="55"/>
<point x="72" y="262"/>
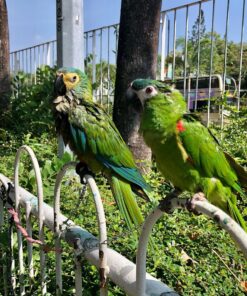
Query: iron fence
<point x="183" y="42"/>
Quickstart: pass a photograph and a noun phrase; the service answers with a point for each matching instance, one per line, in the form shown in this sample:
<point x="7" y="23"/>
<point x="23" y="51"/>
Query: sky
<point x="33" y="21"/>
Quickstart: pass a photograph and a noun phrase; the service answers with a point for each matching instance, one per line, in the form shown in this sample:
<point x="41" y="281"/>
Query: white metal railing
<point x="135" y="281"/>
<point x="83" y="243"/>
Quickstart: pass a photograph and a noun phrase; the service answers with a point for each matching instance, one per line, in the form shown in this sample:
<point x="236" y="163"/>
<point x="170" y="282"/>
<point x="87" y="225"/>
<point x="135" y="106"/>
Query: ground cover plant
<point x="191" y="254"/>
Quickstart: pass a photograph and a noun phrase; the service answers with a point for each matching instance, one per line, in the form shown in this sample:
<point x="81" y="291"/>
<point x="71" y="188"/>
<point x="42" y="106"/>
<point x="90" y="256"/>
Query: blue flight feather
<point x="79" y="138"/>
<point x="130" y="174"/>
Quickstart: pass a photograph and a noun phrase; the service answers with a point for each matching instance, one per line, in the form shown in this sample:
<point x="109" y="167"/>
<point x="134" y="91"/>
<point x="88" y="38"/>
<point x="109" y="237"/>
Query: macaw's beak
<point x="59" y="86"/>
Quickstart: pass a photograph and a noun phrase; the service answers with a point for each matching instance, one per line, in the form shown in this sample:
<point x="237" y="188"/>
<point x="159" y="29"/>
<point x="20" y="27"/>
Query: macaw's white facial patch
<point x="146" y="93"/>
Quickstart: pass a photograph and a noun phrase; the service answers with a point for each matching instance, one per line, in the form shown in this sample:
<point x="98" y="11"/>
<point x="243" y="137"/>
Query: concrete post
<point x="70" y="41"/>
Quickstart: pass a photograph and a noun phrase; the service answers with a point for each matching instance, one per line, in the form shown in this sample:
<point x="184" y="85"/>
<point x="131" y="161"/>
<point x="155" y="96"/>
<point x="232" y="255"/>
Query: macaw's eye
<point x="149" y="90"/>
<point x="73" y="79"/>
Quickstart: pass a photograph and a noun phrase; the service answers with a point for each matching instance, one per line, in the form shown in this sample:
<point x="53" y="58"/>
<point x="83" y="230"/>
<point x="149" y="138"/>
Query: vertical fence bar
<point x="43" y="54"/>
<point x="48" y="54"/>
<point x="35" y="64"/>
<point x="39" y="55"/>
<point x="186" y="55"/>
<point x="211" y="65"/>
<point x="86" y="54"/>
<point x="26" y="60"/>
<point x="29" y="245"/>
<point x="168" y="40"/>
<point x="241" y="56"/>
<point x="108" y="69"/>
<point x="15" y="60"/>
<point x="116" y="41"/>
<point x="53" y="53"/>
<point x="31" y="65"/>
<point x="94" y="61"/>
<point x="22" y="63"/>
<point x="225" y="60"/>
<point x="101" y="68"/>
<point x="163" y="46"/>
<point x="174" y="43"/>
<point x="198" y="53"/>
<point x="40" y="209"/>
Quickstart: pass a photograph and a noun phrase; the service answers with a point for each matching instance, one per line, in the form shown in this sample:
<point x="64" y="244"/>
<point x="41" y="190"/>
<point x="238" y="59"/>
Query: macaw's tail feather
<point x="126" y="202"/>
<point x="236" y="215"/>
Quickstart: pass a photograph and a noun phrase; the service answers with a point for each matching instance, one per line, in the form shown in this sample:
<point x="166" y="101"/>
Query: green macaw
<point x="95" y="140"/>
<point x="186" y="152"/>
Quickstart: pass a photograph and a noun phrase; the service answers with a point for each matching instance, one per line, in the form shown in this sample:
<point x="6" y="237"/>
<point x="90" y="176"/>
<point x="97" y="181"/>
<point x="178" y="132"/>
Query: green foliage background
<point x="29" y="121"/>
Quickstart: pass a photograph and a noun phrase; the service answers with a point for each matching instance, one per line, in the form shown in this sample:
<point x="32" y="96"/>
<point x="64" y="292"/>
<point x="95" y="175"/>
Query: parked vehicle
<point x="197" y="92"/>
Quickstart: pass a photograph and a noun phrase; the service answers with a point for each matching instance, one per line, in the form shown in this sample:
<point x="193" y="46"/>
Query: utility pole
<point x="70" y="40"/>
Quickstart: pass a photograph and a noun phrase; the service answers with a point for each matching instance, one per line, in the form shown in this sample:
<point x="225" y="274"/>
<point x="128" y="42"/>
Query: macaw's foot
<point x="82" y="170"/>
<point x="167" y="204"/>
<point x="197" y="197"/>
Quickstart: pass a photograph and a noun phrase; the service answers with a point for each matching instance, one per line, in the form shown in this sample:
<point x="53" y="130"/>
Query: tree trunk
<point x="137" y="58"/>
<point x="4" y="56"/>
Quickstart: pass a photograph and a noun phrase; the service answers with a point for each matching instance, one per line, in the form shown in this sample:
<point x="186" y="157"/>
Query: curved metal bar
<point x="238" y="235"/>
<point x="40" y="212"/>
<point x="142" y="250"/>
<point x="103" y="268"/>
<point x="57" y="224"/>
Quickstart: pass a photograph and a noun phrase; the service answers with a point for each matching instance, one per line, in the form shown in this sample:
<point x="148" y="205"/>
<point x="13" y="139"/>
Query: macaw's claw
<point x="191" y="206"/>
<point x="82" y="170"/>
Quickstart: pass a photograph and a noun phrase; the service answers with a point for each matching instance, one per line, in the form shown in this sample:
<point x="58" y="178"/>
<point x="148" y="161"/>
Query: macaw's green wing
<point x="93" y="130"/>
<point x="238" y="169"/>
<point x="204" y="153"/>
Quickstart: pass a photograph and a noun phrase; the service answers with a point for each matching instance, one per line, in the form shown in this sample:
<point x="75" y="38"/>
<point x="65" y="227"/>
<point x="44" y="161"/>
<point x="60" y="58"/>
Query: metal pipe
<point x="101" y="227"/>
<point x="241" y="56"/>
<point x="211" y="65"/>
<point x="163" y="46"/>
<point x="48" y="54"/>
<point x="27" y="48"/>
<point x="57" y="224"/>
<point x="183" y="6"/>
<point x="104" y="270"/>
<point x="94" y="61"/>
<point x="108" y="69"/>
<point x="168" y="41"/>
<point x="19" y="235"/>
<point x="40" y="210"/>
<point x="201" y="205"/>
<point x="101" y="69"/>
<point x="225" y="60"/>
<point x="78" y="273"/>
<point x="198" y="52"/>
<point x="174" y="44"/>
<point x="26" y="61"/>
<point x="186" y="55"/>
<point x="88" y="246"/>
<point x="141" y="254"/>
<point x="29" y="245"/>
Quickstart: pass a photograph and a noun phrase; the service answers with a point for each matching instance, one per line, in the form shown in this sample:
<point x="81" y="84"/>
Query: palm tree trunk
<point x="137" y="58"/>
<point x="4" y="56"/>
